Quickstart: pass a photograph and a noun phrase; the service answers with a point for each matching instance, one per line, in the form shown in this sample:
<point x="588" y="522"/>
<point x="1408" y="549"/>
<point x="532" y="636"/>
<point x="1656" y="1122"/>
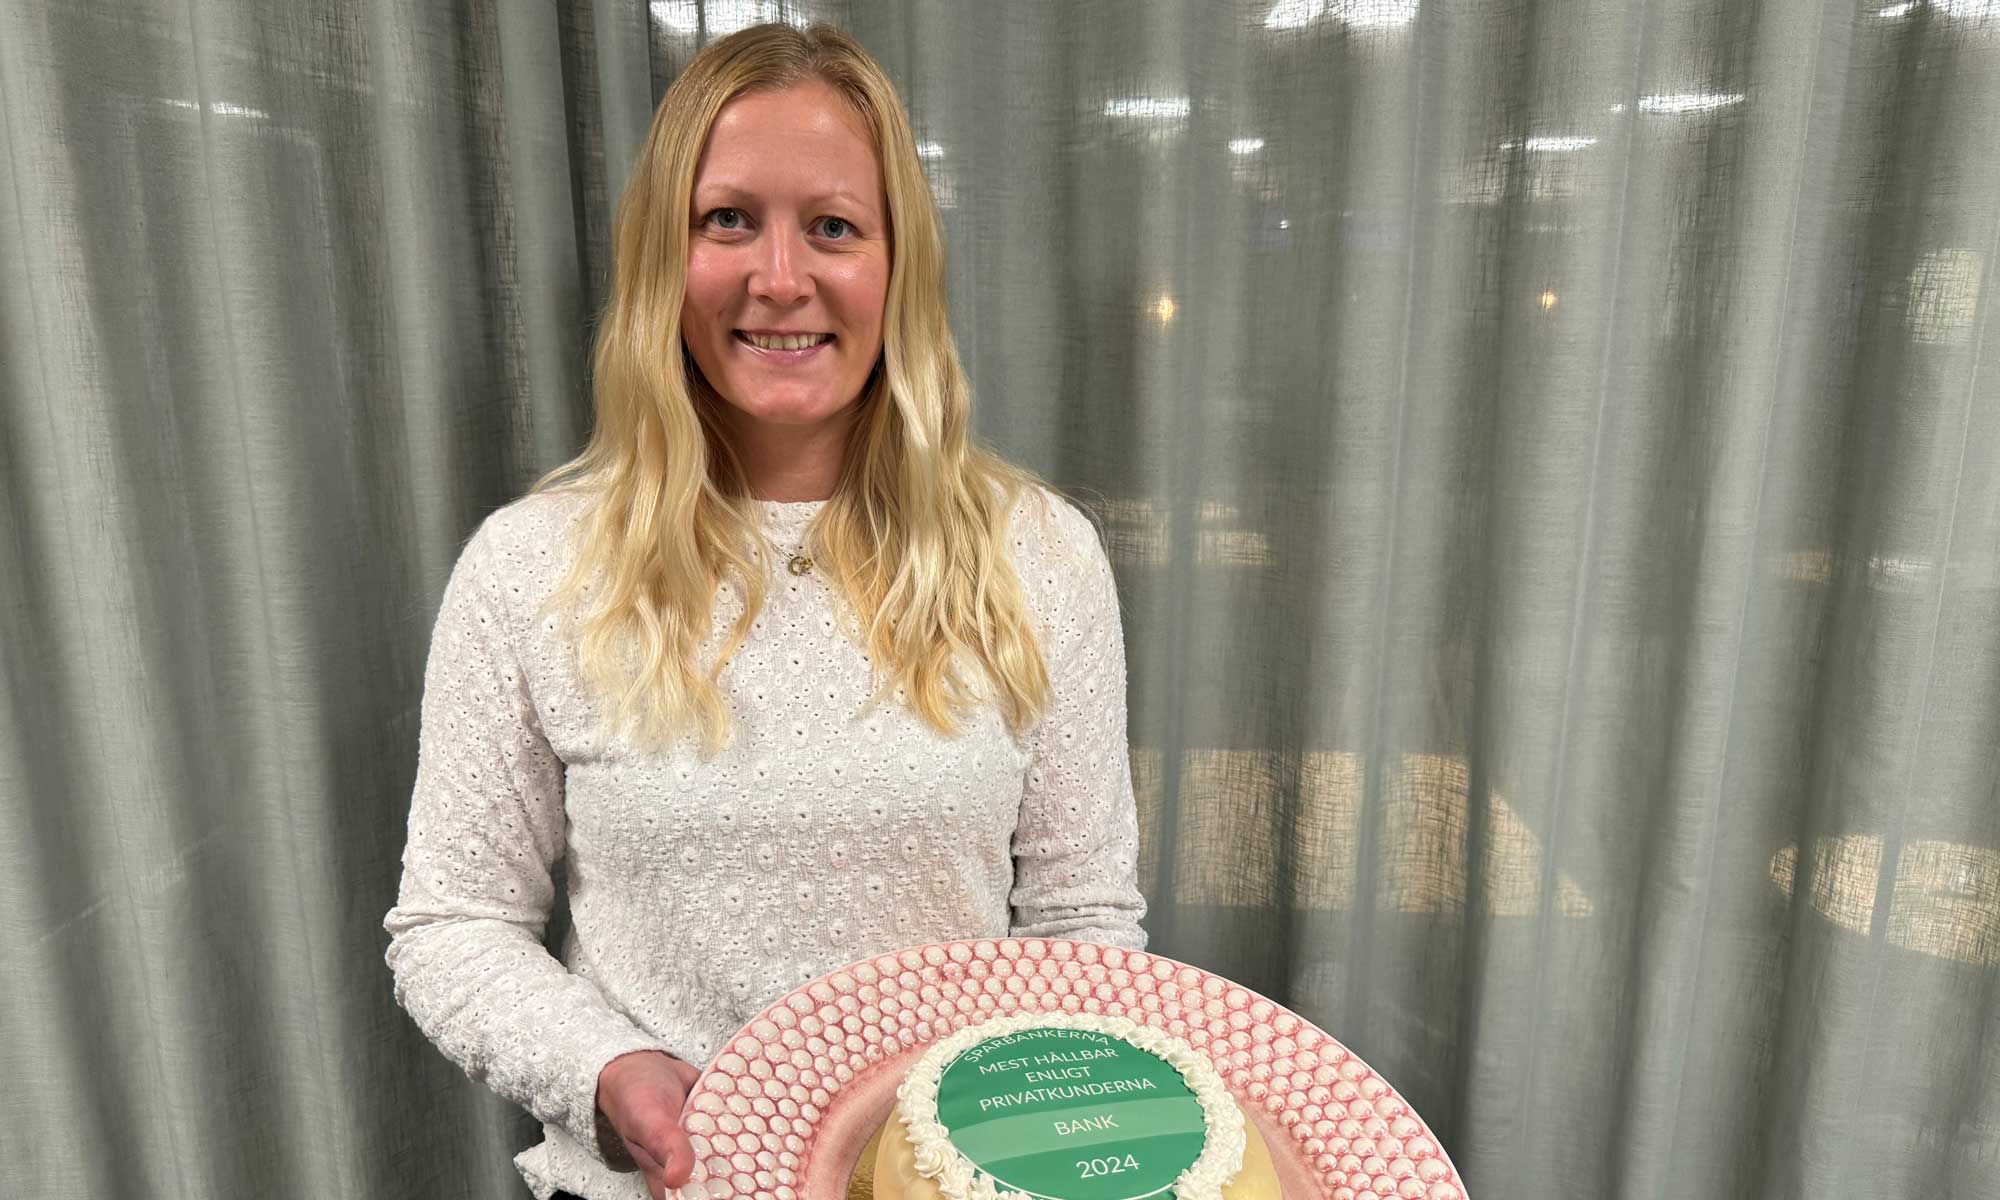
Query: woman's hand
<point x="641" y="1094"/>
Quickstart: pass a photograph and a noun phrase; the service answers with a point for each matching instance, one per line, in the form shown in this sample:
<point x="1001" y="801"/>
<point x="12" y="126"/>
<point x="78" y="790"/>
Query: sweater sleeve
<point x="1076" y="845"/>
<point x="486" y="827"/>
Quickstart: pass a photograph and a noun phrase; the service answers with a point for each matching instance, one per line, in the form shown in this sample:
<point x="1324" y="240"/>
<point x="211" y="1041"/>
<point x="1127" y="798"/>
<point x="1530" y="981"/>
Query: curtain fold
<point x="1550" y="452"/>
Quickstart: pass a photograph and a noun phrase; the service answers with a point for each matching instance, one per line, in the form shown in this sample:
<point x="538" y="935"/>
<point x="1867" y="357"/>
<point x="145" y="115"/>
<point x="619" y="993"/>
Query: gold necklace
<point x="799" y="563"/>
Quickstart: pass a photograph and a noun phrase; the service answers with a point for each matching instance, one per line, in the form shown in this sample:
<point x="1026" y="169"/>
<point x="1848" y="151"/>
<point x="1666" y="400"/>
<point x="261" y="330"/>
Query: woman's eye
<point x="834" y="227"/>
<point x="727" y="218"/>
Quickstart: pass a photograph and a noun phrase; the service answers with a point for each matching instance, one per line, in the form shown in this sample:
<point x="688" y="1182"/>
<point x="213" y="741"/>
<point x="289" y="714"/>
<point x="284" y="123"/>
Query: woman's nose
<point x="779" y="271"/>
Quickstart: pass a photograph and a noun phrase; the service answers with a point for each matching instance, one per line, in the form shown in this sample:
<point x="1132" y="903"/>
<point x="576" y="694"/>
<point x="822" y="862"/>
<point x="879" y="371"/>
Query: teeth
<point x="791" y="341"/>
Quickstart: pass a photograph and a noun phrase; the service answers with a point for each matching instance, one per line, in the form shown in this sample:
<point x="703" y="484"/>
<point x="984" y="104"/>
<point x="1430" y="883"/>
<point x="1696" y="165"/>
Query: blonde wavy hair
<point x="914" y="538"/>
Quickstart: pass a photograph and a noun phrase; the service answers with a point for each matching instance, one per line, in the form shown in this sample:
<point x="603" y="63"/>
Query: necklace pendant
<point x="799" y="564"/>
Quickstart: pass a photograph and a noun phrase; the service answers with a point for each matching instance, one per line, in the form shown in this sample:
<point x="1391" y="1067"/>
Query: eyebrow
<point x="729" y="192"/>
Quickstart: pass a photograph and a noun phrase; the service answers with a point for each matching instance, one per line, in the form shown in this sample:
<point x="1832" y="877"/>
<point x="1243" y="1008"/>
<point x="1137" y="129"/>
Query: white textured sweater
<point x="701" y="892"/>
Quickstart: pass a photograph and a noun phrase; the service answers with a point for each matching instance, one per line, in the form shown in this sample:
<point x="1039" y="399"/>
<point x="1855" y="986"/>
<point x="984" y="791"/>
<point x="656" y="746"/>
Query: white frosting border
<point x="937" y="1160"/>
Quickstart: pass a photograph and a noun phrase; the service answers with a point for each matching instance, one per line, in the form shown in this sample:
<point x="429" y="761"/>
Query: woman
<point x="783" y="668"/>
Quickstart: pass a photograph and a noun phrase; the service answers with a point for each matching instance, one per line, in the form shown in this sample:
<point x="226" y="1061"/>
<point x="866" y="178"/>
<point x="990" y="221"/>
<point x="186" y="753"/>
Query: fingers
<point x="642" y="1096"/>
<point x="650" y="1170"/>
<point x="680" y="1162"/>
<point x="688" y="1073"/>
<point x="664" y="1153"/>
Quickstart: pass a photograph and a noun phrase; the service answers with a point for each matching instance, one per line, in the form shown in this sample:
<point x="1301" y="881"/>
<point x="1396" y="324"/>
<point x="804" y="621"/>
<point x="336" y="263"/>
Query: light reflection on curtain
<point x="1548" y="449"/>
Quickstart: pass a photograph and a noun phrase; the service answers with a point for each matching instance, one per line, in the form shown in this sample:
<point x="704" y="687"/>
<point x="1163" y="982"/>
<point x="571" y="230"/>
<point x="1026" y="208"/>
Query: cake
<point x="1065" y="1106"/>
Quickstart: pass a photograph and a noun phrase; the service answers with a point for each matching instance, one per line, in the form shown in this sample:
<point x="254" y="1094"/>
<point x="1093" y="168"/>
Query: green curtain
<point x="1550" y="452"/>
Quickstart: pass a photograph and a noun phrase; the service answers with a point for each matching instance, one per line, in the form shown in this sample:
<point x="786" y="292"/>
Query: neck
<point x="791" y="463"/>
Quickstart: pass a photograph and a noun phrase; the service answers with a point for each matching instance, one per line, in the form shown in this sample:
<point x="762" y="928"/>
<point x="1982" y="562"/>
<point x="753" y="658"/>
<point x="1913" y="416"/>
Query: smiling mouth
<point x="783" y="341"/>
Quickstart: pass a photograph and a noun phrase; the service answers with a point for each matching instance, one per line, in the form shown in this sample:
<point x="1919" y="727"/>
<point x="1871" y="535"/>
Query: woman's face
<point x="788" y="256"/>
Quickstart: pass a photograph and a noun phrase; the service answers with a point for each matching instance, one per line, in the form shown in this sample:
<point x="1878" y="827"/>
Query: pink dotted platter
<point x="783" y="1110"/>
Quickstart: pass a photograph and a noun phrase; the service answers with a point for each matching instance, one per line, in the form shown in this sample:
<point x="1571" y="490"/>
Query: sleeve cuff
<point x="1125" y="936"/>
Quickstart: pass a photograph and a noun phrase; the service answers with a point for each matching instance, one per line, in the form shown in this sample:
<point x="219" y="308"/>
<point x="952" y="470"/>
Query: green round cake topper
<point x="1071" y="1114"/>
